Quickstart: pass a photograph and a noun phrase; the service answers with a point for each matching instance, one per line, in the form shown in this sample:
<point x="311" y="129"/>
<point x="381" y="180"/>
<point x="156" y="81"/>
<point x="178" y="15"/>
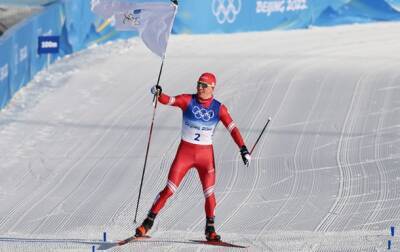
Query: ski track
<point x="239" y="166"/>
<point x="21" y="203"/>
<point x="384" y="191"/>
<point x="291" y="193"/>
<point x="323" y="84"/>
<point x="351" y="152"/>
<point x="257" y="168"/>
<point x="296" y="171"/>
<point x="94" y="189"/>
<point x="344" y="179"/>
<point x="126" y="207"/>
<point x="60" y="182"/>
<point x="102" y="181"/>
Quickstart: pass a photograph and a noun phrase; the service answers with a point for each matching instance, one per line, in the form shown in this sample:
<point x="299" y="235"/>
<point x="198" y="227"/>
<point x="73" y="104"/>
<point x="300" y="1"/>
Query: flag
<point x="153" y="20"/>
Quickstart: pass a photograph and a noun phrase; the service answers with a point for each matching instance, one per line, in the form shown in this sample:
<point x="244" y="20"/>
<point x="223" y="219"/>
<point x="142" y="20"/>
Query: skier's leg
<point x="208" y="183"/>
<point x="177" y="172"/>
<point x="182" y="163"/>
<point x="206" y="168"/>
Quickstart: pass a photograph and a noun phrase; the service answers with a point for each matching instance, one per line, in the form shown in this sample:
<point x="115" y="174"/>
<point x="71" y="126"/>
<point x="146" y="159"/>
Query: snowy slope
<point x="324" y="178"/>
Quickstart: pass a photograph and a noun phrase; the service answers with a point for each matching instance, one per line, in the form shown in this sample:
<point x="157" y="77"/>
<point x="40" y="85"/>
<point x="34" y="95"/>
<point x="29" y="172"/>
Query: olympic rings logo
<point x="226" y="13"/>
<point x="204" y="114"/>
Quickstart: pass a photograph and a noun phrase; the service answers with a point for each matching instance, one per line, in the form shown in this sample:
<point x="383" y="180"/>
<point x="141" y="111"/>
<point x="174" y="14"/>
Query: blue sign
<point x="48" y="44"/>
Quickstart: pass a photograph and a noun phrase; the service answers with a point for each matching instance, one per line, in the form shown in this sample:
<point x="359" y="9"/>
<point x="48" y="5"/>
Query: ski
<point x="131" y="239"/>
<point x="218" y="243"/>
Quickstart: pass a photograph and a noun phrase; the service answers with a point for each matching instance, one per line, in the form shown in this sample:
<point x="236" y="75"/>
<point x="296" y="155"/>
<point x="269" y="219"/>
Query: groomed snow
<point x="325" y="177"/>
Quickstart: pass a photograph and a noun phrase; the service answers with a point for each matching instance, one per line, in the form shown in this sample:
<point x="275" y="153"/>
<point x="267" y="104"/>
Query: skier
<point x="201" y="114"/>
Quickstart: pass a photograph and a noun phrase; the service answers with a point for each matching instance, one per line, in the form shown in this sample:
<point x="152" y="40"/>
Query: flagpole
<point x="155" y="102"/>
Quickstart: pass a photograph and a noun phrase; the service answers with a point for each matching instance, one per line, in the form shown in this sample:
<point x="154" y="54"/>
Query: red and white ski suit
<point x="200" y="118"/>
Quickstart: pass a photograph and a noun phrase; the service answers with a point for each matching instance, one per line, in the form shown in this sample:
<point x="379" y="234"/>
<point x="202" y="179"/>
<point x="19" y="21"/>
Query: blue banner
<point x="21" y="55"/>
<point x="5" y="66"/>
<point x="78" y="21"/>
<point x="225" y="16"/>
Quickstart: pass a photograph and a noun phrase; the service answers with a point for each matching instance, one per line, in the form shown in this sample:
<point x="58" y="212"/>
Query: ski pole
<point x="262" y="132"/>
<point x="155" y="99"/>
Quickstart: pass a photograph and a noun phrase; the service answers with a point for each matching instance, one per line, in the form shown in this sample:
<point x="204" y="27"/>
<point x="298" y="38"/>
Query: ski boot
<point x="142" y="230"/>
<point x="210" y="233"/>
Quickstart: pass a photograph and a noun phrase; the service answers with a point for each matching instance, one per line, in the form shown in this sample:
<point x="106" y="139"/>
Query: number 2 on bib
<point x="197" y="137"/>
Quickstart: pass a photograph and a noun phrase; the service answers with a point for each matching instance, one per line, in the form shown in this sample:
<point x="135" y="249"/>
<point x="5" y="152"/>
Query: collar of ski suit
<point x="205" y="102"/>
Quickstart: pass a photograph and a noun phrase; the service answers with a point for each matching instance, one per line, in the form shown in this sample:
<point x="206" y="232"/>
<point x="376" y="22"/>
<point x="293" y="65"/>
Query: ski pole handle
<point x="259" y="137"/>
<point x="155" y="98"/>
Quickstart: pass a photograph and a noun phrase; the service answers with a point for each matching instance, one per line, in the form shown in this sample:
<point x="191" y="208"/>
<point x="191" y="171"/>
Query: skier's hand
<point x="156" y="90"/>
<point x="245" y="155"/>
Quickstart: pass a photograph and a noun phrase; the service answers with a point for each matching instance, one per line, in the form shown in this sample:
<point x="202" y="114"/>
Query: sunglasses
<point x="203" y="85"/>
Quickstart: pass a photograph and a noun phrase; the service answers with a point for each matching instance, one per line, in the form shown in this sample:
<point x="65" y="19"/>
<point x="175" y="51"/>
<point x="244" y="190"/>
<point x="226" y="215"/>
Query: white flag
<point x="152" y="20"/>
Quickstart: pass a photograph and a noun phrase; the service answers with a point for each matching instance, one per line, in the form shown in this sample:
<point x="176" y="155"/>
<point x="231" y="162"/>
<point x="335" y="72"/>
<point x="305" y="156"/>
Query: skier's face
<point x="204" y="91"/>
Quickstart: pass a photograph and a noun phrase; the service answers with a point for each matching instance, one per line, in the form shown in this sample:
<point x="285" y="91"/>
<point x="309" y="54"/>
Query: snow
<point x="323" y="178"/>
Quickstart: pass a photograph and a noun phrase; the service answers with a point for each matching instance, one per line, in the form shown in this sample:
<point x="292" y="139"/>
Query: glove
<point x="156" y="90"/>
<point x="245" y="155"/>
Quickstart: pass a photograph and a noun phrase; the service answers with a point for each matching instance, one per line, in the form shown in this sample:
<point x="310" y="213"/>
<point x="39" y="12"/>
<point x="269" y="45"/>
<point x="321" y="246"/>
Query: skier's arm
<point x="182" y="101"/>
<point x="231" y="126"/>
<point x="235" y="133"/>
